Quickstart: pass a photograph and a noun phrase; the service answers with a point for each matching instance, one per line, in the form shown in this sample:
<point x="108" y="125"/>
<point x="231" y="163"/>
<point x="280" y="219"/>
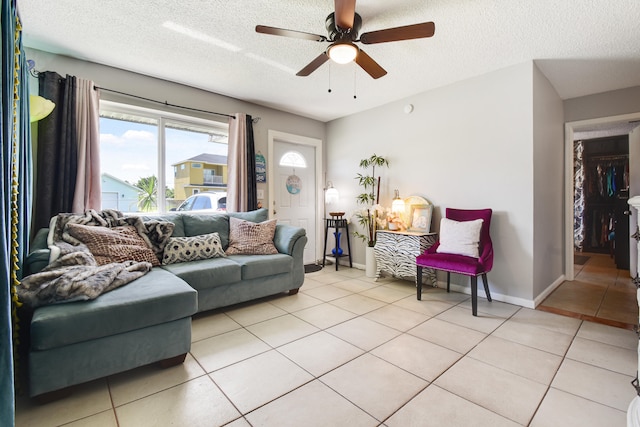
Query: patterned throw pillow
<point x="250" y="238"/>
<point x="113" y="244"/>
<point x="183" y="249"/>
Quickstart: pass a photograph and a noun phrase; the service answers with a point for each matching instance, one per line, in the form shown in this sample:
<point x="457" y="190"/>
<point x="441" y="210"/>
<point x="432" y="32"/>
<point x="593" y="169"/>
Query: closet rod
<point x="163" y="103"/>
<point x="610" y="157"/>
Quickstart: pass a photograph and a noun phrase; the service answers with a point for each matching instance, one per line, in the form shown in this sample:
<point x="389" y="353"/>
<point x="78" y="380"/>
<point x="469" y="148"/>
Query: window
<point x="201" y="203"/>
<point x="210" y="176"/>
<point x="143" y="150"/>
<point x="187" y="205"/>
<point x="294" y="159"/>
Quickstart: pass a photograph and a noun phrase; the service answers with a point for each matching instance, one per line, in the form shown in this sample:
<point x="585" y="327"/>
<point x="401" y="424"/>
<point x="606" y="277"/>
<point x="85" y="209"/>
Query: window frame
<point x="162" y="118"/>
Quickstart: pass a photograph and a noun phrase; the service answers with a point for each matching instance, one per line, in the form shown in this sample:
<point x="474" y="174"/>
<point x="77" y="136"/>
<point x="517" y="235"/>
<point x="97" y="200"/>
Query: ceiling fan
<point x="343" y="26"/>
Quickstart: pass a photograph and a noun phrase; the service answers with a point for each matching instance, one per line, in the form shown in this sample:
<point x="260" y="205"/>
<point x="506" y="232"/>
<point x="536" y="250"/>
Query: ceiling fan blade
<point x="313" y="65"/>
<point x="289" y="33"/>
<point x="345" y="11"/>
<point x="369" y="65"/>
<point x="408" y="32"/>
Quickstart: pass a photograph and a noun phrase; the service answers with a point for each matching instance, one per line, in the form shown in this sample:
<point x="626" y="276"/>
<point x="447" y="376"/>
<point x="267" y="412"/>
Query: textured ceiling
<point x="582" y="46"/>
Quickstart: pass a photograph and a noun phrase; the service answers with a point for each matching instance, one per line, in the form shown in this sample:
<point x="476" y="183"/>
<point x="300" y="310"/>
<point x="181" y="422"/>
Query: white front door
<point x="294" y="185"/>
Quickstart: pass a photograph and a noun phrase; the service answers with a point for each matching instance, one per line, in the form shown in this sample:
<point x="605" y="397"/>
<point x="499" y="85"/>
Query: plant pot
<point x="370" y="262"/>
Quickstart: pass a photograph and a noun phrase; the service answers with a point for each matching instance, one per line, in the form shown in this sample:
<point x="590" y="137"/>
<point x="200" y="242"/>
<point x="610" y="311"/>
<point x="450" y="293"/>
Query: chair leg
<point x="419" y="283"/>
<point x="486" y="286"/>
<point x="448" y="281"/>
<point x="474" y="295"/>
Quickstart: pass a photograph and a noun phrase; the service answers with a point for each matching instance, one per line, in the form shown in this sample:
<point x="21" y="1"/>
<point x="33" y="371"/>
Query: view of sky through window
<point x="129" y="150"/>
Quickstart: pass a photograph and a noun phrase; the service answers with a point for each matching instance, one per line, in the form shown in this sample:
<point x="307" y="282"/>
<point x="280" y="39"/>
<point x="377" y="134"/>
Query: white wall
<point x="174" y="93"/>
<point x="607" y="104"/>
<point x="548" y="152"/>
<point x="467" y="145"/>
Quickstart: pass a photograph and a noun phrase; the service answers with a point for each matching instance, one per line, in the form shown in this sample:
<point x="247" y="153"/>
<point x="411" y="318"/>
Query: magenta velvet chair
<point x="462" y="264"/>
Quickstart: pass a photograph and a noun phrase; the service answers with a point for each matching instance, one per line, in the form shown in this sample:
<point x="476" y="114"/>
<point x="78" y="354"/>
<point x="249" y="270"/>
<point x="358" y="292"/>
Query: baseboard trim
<point x="345" y="262"/>
<point x="523" y="302"/>
<point x="494" y="295"/>
<point x="552" y="287"/>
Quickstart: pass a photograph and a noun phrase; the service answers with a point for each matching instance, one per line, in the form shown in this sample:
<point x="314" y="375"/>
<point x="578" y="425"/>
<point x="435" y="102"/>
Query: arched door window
<point x="293" y="159"/>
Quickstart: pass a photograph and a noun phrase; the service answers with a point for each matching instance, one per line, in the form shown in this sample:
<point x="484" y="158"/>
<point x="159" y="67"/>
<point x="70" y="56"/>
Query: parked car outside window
<point x="205" y="202"/>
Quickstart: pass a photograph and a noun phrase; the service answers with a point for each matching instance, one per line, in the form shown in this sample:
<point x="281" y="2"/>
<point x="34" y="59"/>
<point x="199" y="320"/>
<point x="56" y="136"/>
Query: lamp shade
<point x="343" y="53"/>
<point x="331" y="196"/>
<point x="397" y="205"/>
<point x="39" y="108"/>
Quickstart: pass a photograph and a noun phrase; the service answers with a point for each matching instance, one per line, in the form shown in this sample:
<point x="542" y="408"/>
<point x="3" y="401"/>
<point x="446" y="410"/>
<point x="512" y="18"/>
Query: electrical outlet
<point x="260" y="194"/>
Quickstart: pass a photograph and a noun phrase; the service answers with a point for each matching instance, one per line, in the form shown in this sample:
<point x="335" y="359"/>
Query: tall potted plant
<point x="369" y="199"/>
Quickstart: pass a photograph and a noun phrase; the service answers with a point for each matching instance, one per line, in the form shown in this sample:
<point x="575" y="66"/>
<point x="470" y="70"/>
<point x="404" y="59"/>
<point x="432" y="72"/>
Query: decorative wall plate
<point x="294" y="184"/>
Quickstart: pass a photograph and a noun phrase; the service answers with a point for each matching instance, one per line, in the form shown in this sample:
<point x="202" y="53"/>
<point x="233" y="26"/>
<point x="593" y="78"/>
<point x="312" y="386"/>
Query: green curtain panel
<point x="15" y="173"/>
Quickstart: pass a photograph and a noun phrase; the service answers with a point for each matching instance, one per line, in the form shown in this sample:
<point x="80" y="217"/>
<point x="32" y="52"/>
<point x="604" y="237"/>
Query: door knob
<point x="627" y="213"/>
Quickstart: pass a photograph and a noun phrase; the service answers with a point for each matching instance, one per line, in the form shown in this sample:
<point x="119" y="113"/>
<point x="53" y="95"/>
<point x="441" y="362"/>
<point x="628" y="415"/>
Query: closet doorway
<point x="601" y="186"/>
<point x="602" y="127"/>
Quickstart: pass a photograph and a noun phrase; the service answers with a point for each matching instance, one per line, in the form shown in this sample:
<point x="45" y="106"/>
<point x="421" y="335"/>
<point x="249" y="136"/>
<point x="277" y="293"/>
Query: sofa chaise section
<point x="146" y="321"/>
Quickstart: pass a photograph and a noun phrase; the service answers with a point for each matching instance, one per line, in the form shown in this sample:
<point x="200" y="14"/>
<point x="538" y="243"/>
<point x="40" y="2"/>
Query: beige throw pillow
<point x="113" y="244"/>
<point x="250" y="238"/>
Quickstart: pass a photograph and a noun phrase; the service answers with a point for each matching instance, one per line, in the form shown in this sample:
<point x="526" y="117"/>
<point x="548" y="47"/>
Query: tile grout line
<point x="564" y="357"/>
<point x="430" y="383"/>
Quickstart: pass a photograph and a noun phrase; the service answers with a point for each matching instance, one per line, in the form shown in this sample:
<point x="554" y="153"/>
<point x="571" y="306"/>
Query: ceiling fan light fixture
<point x="342" y="52"/>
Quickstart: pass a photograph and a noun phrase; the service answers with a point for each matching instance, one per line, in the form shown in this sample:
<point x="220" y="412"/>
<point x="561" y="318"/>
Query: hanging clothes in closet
<point x="605" y="177"/>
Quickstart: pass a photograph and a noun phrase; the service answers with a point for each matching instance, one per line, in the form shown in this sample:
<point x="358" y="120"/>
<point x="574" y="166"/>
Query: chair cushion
<point x="197" y="224"/>
<point x="451" y="262"/>
<point x="460" y="237"/>
<point x="259" y="215"/>
<point x="207" y="273"/>
<point x="254" y="267"/>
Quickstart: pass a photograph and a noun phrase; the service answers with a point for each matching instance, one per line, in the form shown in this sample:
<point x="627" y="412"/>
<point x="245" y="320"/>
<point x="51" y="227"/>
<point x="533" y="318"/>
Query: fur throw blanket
<point x="155" y="233"/>
<point x="75" y="277"/>
<point x="74" y="273"/>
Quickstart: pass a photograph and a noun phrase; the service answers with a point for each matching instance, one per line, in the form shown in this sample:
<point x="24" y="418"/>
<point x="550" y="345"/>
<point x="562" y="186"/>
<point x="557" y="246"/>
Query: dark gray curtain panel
<point x="252" y="191"/>
<point x="57" y="160"/>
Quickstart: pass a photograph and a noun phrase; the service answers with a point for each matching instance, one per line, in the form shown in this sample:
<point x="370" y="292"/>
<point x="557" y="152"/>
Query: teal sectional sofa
<point x="149" y="319"/>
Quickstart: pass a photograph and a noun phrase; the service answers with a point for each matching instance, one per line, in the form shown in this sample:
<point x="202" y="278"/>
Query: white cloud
<point x="139" y="135"/>
<point x="110" y="138"/>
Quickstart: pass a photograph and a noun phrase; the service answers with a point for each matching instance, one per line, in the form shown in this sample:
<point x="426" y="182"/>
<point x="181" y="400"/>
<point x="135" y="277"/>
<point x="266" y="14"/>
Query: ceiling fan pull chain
<point x="329" y="78"/>
<point x="354" y="81"/>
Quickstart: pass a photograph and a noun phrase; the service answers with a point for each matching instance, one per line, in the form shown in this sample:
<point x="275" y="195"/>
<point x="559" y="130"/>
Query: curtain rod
<point x="166" y="103"/>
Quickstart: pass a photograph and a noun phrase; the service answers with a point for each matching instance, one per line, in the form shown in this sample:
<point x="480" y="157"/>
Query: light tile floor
<point x="600" y="292"/>
<point x="350" y="351"/>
